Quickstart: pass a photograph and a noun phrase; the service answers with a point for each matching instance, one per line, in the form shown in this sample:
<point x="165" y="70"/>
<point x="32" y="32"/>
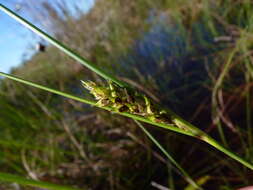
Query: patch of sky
<point x="17" y="43"/>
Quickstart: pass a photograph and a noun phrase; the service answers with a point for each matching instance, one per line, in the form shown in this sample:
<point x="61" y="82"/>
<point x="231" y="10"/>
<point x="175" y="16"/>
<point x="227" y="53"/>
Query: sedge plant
<point x="104" y="75"/>
<point x="136" y="118"/>
<point x="154" y="115"/>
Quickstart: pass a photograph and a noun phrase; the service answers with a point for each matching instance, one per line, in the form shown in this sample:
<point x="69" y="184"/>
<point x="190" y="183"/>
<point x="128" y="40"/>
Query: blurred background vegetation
<point x="194" y="57"/>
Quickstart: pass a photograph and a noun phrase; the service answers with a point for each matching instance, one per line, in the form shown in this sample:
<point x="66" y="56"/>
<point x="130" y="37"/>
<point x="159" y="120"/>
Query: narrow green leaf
<point x="92" y="103"/>
<point x="62" y="47"/>
<point x="192" y="130"/>
<point x="29" y="182"/>
<point x="171" y="159"/>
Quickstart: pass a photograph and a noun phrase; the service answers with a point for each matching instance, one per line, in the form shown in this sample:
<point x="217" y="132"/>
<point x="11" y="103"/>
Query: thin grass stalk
<point x="62" y="47"/>
<point x="248" y="105"/>
<point x="216" y="88"/>
<point x="180" y="123"/>
<point x="183" y="126"/>
<point x="171" y="159"/>
<point x="33" y="183"/>
<point x="199" y="134"/>
<point x="93" y="103"/>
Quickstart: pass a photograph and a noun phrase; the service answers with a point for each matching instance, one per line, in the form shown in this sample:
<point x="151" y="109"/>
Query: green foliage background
<point x="47" y="137"/>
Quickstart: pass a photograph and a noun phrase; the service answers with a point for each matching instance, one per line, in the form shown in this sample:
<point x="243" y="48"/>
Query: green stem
<point x="201" y="135"/>
<point x="29" y="182"/>
<point x="62" y="47"/>
<point x="92" y="103"/>
<point x="232" y="155"/>
<point x="248" y="105"/>
<point x="172" y="160"/>
<point x="182" y="126"/>
<point x="216" y="88"/>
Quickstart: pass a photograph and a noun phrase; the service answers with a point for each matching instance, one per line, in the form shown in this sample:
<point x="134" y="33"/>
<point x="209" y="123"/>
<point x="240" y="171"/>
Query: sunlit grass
<point x="218" y="89"/>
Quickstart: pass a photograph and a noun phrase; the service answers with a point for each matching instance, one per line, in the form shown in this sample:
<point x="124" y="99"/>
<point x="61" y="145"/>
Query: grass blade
<point x="179" y="128"/>
<point x="92" y="103"/>
<point x="29" y="182"/>
<point x="183" y="126"/>
<point x="172" y="160"/>
<point x="61" y="46"/>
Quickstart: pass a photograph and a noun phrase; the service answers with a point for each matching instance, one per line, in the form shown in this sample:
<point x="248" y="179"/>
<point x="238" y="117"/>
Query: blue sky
<point x="15" y="40"/>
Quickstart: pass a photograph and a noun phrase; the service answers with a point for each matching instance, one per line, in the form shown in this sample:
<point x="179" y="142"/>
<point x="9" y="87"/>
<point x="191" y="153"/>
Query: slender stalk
<point x="216" y="88"/>
<point x="172" y="160"/>
<point x="62" y="47"/>
<point x="248" y="104"/>
<point x="232" y="155"/>
<point x="92" y="103"/>
<point x="197" y="133"/>
<point x="29" y="182"/>
<point x="182" y="126"/>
